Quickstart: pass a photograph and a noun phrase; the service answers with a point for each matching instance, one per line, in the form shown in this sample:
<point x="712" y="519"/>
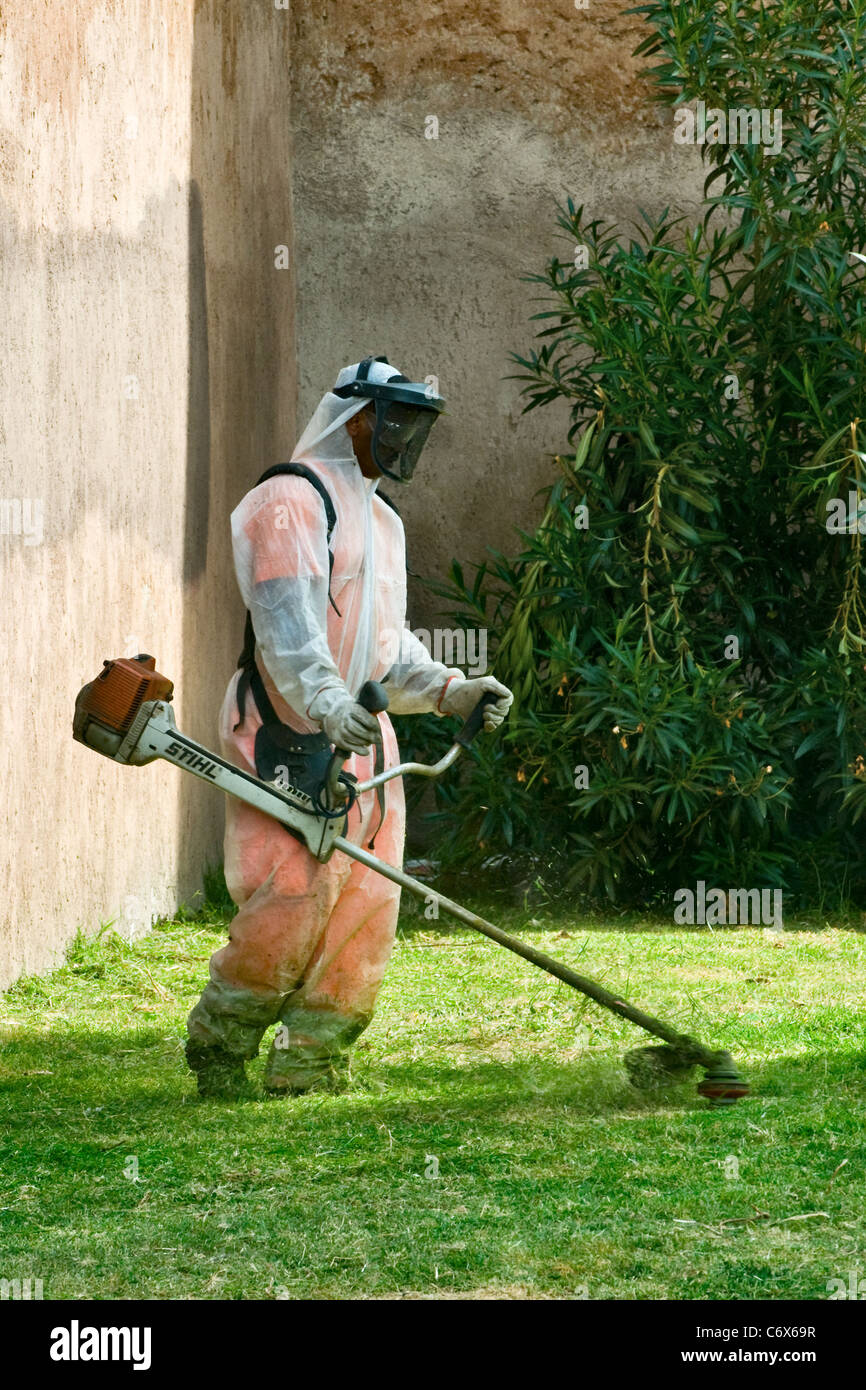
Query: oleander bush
<point x="685" y="629"/>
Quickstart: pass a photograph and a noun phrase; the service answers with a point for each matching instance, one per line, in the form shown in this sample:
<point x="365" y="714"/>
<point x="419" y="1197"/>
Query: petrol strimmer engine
<point x="126" y="715"/>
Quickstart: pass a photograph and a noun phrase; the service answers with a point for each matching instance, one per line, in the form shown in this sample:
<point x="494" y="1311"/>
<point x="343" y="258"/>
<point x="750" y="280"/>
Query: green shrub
<point x="715" y="377"/>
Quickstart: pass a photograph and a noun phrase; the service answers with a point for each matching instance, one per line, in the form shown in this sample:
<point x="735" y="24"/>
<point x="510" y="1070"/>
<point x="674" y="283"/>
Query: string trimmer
<point x="125" y="714"/>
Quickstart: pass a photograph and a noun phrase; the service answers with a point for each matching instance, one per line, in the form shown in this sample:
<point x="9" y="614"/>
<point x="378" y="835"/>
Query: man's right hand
<point x="347" y="724"/>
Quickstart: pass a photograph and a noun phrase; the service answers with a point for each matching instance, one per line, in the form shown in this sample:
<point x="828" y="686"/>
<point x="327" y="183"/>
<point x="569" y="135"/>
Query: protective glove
<point x="461" y="697"/>
<point x="346" y="723"/>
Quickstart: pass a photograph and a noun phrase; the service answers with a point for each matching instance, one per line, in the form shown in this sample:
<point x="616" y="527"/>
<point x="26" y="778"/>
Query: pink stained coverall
<point x="311" y="941"/>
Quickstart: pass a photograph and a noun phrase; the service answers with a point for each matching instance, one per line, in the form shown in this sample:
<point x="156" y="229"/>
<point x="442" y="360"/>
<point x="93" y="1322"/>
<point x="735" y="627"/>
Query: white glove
<point x="461" y="697"/>
<point x="347" y="724"/>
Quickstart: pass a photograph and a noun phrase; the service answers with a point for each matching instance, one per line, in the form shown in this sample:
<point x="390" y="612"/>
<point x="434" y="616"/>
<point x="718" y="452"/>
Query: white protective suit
<point x="311" y="941"/>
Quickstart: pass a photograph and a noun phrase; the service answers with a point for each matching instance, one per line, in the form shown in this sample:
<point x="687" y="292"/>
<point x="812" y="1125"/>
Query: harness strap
<point x="251" y="680"/>
<point x="247" y="658"/>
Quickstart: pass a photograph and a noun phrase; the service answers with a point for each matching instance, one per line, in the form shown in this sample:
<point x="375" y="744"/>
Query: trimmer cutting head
<point x="723" y="1084"/>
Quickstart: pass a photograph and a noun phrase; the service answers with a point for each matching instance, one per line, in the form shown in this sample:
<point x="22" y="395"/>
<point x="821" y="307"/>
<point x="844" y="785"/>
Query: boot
<point x="220" y="1074"/>
<point x="331" y="1074"/>
<point x="310" y="1051"/>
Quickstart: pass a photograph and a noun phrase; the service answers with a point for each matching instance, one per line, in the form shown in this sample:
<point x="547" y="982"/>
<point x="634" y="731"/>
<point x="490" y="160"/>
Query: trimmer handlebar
<point x="374" y="698"/>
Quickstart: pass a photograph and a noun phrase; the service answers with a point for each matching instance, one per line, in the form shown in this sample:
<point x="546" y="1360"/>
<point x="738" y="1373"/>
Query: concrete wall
<point x="146" y="377"/>
<point x="414" y="247"/>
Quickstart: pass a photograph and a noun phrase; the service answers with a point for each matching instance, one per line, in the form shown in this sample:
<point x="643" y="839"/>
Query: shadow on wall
<point x="241" y="359"/>
<point x="198" y="431"/>
<point x="199" y="822"/>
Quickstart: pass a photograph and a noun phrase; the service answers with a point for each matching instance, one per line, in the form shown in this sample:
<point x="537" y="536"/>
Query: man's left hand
<point x="461" y="697"/>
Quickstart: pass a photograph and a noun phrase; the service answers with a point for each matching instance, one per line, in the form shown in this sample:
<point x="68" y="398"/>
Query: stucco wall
<point x="414" y="246"/>
<point x="146" y="377"/>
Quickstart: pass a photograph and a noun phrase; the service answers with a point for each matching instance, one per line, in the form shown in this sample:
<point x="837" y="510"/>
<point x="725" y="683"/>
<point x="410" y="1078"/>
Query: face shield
<point x="405" y="413"/>
<point x="399" y="436"/>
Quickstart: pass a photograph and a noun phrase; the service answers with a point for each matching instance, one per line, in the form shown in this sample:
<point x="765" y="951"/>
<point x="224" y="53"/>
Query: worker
<point x="320" y="559"/>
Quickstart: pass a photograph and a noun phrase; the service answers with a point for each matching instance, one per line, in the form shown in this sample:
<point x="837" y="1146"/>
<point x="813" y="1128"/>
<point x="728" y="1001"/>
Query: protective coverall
<point x="310" y="943"/>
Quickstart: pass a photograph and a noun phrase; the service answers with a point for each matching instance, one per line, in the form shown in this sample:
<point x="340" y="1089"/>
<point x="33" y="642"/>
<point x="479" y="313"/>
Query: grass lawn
<point x="490" y="1144"/>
